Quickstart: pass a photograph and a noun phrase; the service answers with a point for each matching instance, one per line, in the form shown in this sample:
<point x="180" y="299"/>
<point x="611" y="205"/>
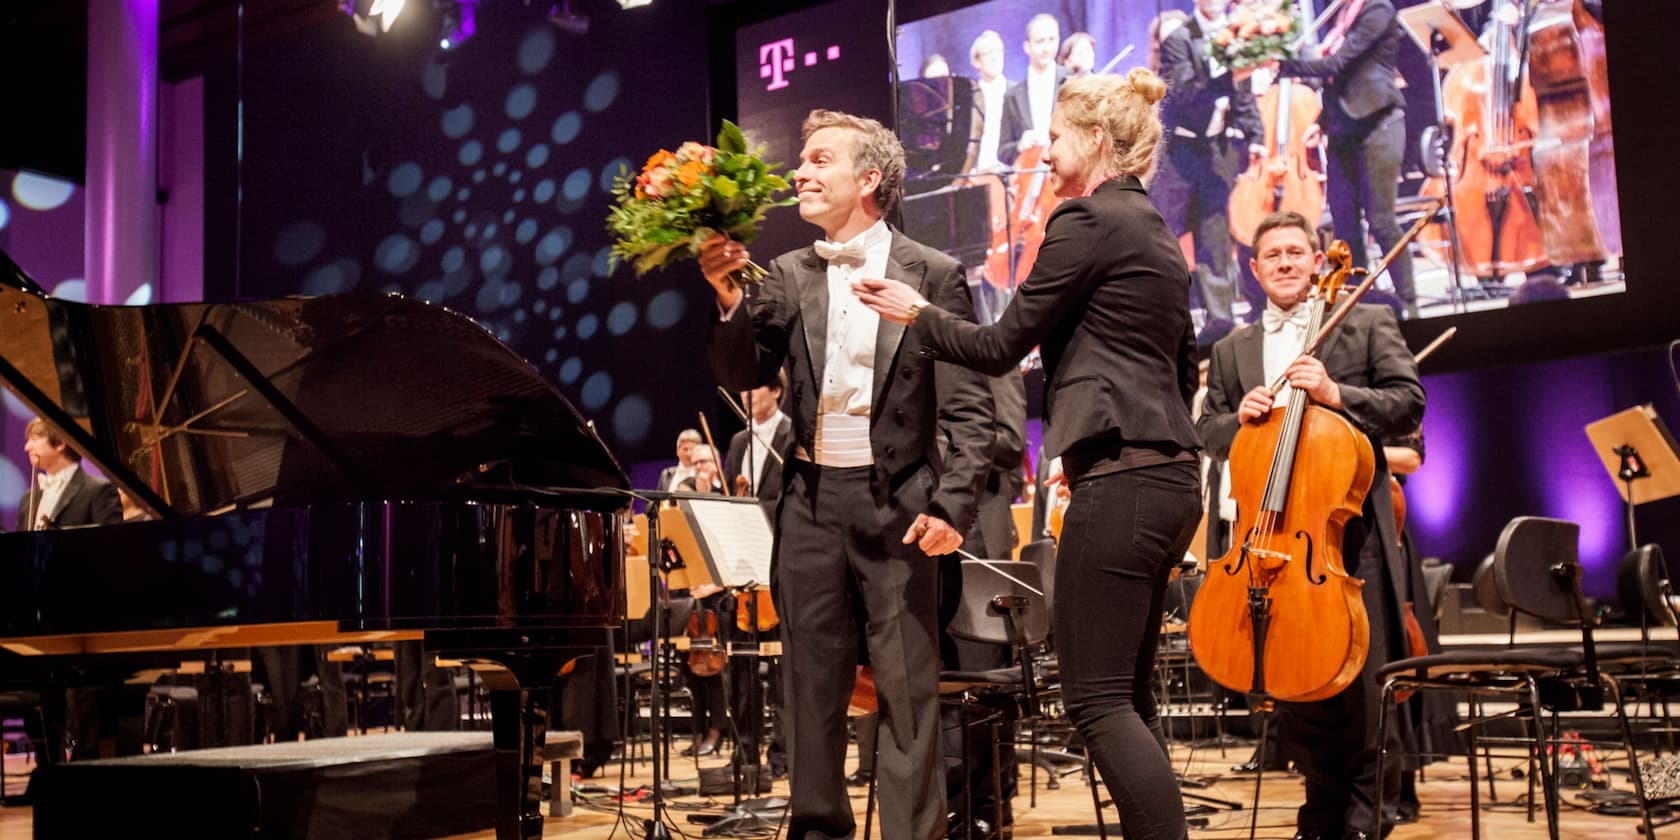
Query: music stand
<point x="1443" y="37"/>
<point x="732" y="536"/>
<point x="1640" y="455"/>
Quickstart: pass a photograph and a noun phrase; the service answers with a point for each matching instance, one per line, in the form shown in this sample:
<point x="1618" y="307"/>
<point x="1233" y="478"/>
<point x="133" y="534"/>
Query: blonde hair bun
<point x="1146" y="84"/>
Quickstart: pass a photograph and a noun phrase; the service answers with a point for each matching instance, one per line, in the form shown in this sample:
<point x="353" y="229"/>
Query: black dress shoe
<point x="861" y="778"/>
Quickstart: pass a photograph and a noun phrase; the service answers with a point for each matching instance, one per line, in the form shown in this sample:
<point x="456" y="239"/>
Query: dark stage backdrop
<point x="478" y="179"/>
<point x="1509" y="441"/>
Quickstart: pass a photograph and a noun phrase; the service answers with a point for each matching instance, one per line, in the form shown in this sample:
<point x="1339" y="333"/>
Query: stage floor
<point x="1444" y="792"/>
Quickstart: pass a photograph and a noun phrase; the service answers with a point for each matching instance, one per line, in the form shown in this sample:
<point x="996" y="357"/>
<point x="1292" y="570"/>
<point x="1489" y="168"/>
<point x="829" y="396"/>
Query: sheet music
<point x="735" y="537"/>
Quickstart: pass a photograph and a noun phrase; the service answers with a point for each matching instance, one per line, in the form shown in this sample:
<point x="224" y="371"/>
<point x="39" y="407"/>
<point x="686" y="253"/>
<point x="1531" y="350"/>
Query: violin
<point x="1278" y="616"/>
<point x="705" y="654"/>
<point x="759" y="618"/>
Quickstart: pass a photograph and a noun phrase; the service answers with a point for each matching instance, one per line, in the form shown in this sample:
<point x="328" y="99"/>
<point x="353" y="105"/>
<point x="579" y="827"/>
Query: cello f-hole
<point x="1319" y="579"/>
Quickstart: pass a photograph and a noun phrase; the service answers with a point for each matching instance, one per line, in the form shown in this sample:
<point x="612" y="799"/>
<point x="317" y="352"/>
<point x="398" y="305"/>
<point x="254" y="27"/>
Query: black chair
<point x="1003" y="603"/>
<point x="1534" y="570"/>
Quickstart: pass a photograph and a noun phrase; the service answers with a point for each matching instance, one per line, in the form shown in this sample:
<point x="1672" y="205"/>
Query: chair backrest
<point x="1537" y="569"/>
<point x="1042" y="553"/>
<point x="1642" y="587"/>
<point x="1436" y="576"/>
<point x="1487" y="593"/>
<point x="979" y="620"/>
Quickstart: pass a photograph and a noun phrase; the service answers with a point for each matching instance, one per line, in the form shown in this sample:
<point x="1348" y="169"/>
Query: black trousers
<point x="838" y="555"/>
<point x="1333" y="742"/>
<point x="1122" y="534"/>
<point x="1363" y="161"/>
<point x="1192" y="189"/>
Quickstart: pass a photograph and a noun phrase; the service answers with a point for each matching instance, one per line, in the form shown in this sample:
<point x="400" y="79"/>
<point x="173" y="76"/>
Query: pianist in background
<point x="61" y="494"/>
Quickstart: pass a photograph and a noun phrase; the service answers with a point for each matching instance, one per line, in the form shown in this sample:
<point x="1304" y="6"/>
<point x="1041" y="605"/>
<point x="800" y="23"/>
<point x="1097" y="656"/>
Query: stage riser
<point x="341" y="795"/>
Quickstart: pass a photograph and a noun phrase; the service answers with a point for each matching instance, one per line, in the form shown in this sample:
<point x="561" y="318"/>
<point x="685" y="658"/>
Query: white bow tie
<point x="1273" y="319"/>
<point x="56" y="481"/>
<point x="852" y="253"/>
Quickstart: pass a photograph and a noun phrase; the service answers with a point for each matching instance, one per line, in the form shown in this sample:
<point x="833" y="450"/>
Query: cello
<point x="1018" y="234"/>
<point x="1492" y="115"/>
<point x="1283" y="179"/>
<point x="1279" y="617"/>
<point x="1574" y="157"/>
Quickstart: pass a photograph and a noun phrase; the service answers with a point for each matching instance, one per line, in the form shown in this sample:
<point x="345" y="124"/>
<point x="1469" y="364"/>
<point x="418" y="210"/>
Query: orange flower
<point x="691" y="172"/>
<point x="659" y="158"/>
<point x="1248" y="30"/>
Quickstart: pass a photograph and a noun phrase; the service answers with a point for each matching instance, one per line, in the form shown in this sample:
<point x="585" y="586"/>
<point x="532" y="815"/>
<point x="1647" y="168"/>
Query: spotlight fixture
<point x="632" y="4"/>
<point x="561" y="15"/>
<point x="460" y="23"/>
<point x="372" y="17"/>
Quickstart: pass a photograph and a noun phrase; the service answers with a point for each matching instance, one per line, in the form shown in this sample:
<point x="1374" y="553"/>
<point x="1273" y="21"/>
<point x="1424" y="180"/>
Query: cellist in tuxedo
<point x="1365" y="372"/>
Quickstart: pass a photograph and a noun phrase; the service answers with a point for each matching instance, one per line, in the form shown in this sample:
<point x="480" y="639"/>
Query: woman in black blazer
<point x="1108" y="304"/>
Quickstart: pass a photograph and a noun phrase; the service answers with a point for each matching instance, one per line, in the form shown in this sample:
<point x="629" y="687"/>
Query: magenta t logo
<point x="774" y="60"/>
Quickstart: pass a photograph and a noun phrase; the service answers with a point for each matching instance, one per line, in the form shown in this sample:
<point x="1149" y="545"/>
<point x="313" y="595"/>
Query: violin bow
<point x="1349" y="299"/>
<point x="729" y="400"/>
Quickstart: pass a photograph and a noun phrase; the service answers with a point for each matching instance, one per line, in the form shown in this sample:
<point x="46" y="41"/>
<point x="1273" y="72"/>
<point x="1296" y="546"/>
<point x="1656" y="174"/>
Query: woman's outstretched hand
<point x="890" y="299"/>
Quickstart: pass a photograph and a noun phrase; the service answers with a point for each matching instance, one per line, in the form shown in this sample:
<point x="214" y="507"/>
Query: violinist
<point x="1364" y="122"/>
<point x="749" y="450"/>
<point x="1365" y="372"/>
<point x="1108" y="302"/>
<point x="1027" y="107"/>
<point x="1210" y="122"/>
<point x="706" y="477"/>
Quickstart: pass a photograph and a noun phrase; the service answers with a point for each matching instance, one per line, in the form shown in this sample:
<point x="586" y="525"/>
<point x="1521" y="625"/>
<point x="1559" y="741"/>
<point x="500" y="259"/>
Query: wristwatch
<point x="916" y="309"/>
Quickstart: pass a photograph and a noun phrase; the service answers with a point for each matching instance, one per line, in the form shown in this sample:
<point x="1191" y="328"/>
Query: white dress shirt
<point x="849" y="358"/>
<point x="761" y="436"/>
<point x="52" y="492"/>
<point x="1041" y="99"/>
<point x="991" y="98"/>
<point x="1286" y="336"/>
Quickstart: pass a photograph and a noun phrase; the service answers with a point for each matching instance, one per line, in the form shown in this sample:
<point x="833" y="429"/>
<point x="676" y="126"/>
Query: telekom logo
<point x="777" y="59"/>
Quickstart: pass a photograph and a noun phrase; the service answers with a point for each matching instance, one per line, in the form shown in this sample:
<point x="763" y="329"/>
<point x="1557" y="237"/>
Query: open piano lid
<point x="202" y="407"/>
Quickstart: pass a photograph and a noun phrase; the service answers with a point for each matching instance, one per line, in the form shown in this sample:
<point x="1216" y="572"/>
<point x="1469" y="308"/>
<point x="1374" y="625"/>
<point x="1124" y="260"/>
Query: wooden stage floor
<point x="1444" y="792"/>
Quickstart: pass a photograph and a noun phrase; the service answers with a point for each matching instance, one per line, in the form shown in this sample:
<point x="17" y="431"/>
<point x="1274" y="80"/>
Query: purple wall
<point x="1509" y="441"/>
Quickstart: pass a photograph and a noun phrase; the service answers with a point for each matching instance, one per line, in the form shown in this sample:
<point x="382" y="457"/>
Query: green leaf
<point x="731" y="139"/>
<point x="725" y="187"/>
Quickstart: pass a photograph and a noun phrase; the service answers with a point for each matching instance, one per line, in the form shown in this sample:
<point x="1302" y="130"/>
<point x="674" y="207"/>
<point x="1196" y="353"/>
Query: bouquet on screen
<point x="681" y="199"/>
<point x="1255" y="33"/>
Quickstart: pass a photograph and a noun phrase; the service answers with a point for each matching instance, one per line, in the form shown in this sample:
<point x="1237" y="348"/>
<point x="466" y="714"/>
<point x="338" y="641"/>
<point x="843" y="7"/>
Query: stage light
<point x="373" y="17"/>
<point x="632" y="4"/>
<point x="460" y="24"/>
<point x="561" y="15"/>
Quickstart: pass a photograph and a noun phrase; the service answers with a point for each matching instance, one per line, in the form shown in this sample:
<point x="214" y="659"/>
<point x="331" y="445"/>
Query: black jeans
<point x="1122" y="534"/>
<point x="1364" y="171"/>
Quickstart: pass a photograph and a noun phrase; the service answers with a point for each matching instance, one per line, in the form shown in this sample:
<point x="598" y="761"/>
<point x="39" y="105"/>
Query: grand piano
<point x="320" y="470"/>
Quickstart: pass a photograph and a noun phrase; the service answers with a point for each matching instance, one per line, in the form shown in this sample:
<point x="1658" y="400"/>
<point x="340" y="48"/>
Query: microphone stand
<point x="654" y="828"/>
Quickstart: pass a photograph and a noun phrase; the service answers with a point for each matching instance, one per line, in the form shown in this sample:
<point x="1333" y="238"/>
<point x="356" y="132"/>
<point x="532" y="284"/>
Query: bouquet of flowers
<point x="1255" y="33"/>
<point x="680" y="200"/>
